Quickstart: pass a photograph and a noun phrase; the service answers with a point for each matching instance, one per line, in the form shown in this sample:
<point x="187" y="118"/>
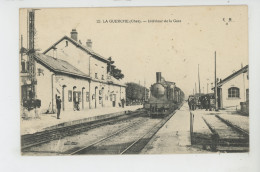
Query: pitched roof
<point x="84" y="48"/>
<point x="114" y="81"/>
<point x="233" y="75"/>
<point x="58" y="65"/>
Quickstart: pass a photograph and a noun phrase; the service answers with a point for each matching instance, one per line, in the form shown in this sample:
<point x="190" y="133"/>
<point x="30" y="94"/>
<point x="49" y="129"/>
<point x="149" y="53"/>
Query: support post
<point x="199" y="78"/>
<point x="216" y="87"/>
<point x="191" y="127"/>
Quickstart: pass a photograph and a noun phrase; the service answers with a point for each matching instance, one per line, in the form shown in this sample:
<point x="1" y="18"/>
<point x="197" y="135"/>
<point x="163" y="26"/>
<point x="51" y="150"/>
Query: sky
<point x="140" y="49"/>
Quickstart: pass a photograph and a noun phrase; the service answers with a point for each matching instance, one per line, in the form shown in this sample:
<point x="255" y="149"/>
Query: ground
<point x="174" y="136"/>
<point x="30" y="126"/>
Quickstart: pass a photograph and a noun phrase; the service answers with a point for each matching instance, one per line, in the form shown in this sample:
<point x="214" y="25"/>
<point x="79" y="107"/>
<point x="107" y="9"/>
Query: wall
<point x="95" y="90"/>
<point x="61" y="85"/>
<point x="44" y="87"/>
<point x="99" y="67"/>
<point x="109" y="93"/>
<point x="64" y="84"/>
<point x="240" y="82"/>
<point x="80" y="59"/>
<point x="89" y="65"/>
<point x="72" y="54"/>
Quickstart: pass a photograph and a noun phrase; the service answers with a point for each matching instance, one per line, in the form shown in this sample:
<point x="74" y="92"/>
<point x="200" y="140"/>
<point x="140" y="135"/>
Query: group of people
<point x="202" y="102"/>
<point x="58" y="105"/>
<point x="122" y="103"/>
<point x="192" y="103"/>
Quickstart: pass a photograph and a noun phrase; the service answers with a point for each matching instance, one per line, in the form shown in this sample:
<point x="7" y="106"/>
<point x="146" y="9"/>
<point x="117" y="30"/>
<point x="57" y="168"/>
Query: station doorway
<point x="76" y="100"/>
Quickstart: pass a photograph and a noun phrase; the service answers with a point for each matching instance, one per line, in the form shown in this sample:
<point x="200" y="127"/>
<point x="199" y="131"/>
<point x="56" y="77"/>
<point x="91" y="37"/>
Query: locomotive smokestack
<point x="158" y="77"/>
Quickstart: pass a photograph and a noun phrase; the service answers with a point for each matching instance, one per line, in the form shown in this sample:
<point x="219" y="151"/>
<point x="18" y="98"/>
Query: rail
<point x="39" y="138"/>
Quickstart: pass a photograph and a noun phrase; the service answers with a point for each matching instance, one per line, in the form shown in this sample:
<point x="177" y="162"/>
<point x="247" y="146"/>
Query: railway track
<point x="119" y="142"/>
<point x="226" y="137"/>
<point x="30" y="140"/>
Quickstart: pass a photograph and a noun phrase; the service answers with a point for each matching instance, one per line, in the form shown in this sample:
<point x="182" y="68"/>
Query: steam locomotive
<point x="164" y="97"/>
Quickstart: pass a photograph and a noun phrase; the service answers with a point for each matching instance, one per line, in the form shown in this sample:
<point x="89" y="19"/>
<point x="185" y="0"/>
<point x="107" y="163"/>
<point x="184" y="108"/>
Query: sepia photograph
<point x="130" y="85"/>
<point x="134" y="80"/>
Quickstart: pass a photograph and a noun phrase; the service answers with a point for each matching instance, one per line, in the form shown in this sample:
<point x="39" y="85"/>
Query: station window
<point x="69" y="95"/>
<point x="233" y="92"/>
<point x="96" y="76"/>
<point x="26" y="92"/>
<point x="102" y="77"/>
<point x="67" y="43"/>
<point x="23" y="67"/>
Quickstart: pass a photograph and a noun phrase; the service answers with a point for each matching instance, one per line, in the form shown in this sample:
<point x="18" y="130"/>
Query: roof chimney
<point x="74" y="34"/>
<point x="89" y="43"/>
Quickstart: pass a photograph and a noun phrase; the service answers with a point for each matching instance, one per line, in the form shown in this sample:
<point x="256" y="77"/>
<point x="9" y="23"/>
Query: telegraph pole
<point x="199" y="78"/>
<point x="195" y="88"/>
<point x="144" y="91"/>
<point x="31" y="53"/>
<point x="216" y="89"/>
<point x="21" y="50"/>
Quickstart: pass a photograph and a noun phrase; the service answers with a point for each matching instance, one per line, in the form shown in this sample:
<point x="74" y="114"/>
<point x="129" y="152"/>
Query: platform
<point x="50" y="121"/>
<point x="237" y="120"/>
<point x="174" y="136"/>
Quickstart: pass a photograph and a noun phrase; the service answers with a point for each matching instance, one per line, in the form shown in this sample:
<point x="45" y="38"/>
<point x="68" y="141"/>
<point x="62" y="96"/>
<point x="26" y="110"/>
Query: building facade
<point x="234" y="89"/>
<point x="75" y="73"/>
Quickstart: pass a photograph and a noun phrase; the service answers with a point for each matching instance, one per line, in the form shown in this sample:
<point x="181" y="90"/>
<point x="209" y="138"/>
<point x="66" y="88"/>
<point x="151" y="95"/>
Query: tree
<point x="115" y="72"/>
<point x="136" y="92"/>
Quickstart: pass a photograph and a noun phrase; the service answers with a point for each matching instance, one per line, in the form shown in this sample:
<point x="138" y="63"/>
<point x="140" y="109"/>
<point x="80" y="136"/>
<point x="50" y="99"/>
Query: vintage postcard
<point x="134" y="80"/>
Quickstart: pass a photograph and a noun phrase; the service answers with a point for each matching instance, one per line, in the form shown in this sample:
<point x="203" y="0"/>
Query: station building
<point x="74" y="72"/>
<point x="233" y="91"/>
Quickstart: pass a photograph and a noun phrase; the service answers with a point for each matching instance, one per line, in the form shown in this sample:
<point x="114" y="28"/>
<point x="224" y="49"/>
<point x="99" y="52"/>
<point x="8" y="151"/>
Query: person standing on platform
<point x="207" y="103"/>
<point x="58" y="104"/>
<point x="123" y="103"/>
<point x="193" y="104"/>
<point x="189" y="103"/>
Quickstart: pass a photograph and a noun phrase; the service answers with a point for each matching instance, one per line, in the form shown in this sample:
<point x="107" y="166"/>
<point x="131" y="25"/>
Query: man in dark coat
<point x="123" y="103"/>
<point x="207" y="103"/>
<point x="193" y="104"/>
<point x="189" y="103"/>
<point x="58" y="104"/>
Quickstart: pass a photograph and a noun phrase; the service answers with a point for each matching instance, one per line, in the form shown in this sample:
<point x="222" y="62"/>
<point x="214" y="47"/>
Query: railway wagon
<point x="178" y="95"/>
<point x="164" y="97"/>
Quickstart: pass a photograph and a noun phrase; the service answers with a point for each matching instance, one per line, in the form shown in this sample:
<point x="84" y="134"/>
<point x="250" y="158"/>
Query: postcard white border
<point x="11" y="160"/>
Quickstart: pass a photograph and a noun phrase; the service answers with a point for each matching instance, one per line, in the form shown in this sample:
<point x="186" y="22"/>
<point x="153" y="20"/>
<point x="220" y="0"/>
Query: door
<point x="76" y="100"/>
<point x="95" y="97"/>
<point x="114" y="100"/>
